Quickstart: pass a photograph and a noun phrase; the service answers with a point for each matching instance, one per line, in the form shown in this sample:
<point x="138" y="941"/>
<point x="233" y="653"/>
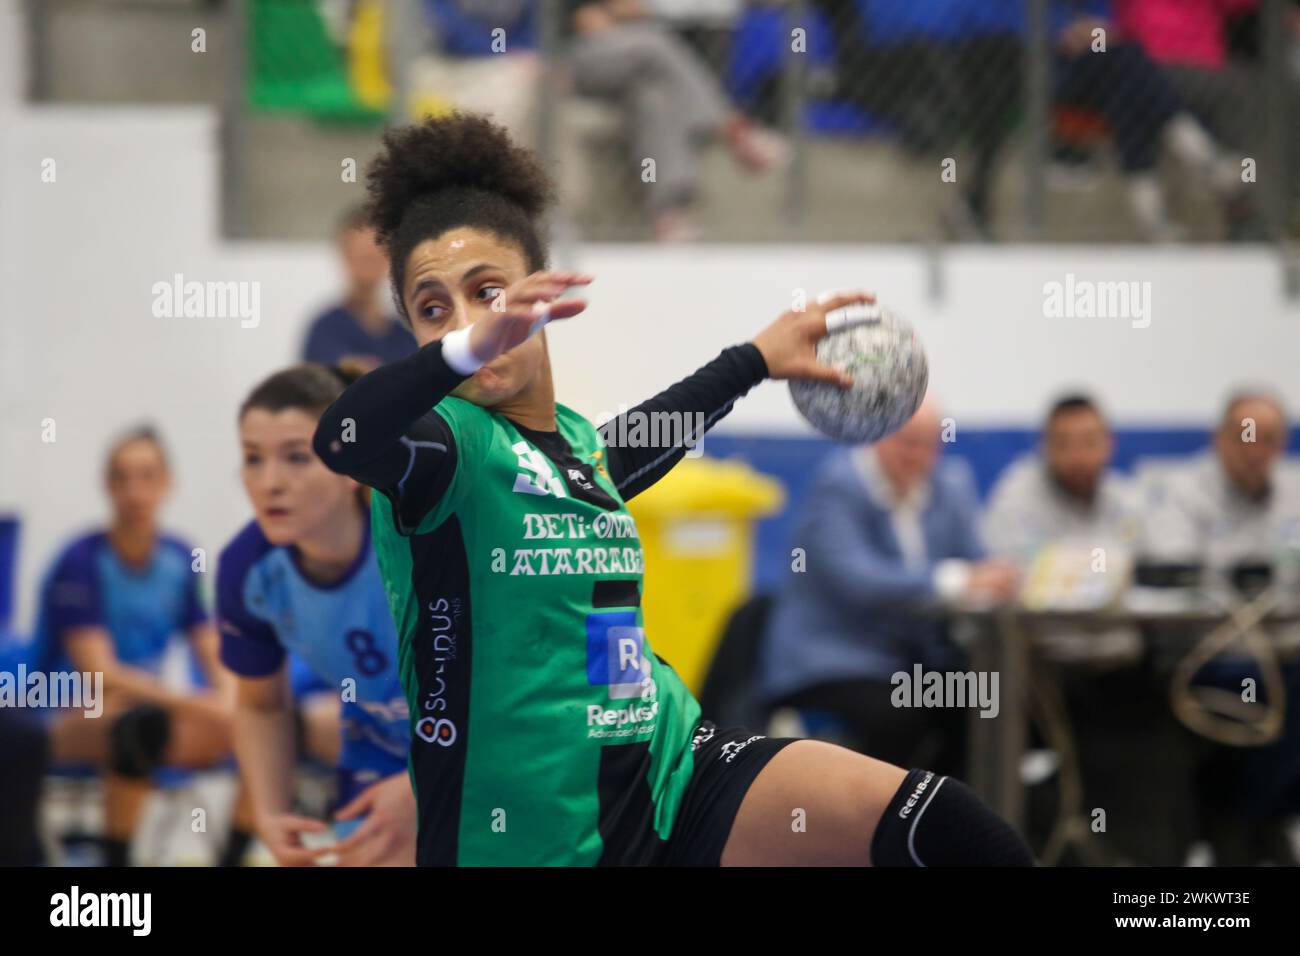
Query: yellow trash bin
<point x="697" y="537"/>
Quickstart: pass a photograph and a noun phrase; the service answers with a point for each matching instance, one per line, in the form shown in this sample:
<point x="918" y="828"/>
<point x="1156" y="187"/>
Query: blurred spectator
<point x="951" y="71"/>
<point x="1100" y="69"/>
<point x="1066" y="490"/>
<point x="362" y="329"/>
<point x="886" y="530"/>
<point x="1189" y="38"/>
<point x="941" y="73"/>
<point x="1065" y="498"/>
<point x="1237" y="505"/>
<point x="1232" y="503"/>
<point x="110" y="605"/>
<point x="673" y="105"/>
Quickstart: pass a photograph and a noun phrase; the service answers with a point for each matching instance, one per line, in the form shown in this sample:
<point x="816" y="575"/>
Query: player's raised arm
<point x="361" y="433"/>
<point x="785" y="349"/>
<point x="694" y="404"/>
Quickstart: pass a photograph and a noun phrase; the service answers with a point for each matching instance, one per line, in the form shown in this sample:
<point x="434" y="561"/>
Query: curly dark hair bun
<point x="460" y="169"/>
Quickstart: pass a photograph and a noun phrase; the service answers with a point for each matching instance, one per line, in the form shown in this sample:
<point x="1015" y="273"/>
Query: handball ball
<point x="882" y="355"/>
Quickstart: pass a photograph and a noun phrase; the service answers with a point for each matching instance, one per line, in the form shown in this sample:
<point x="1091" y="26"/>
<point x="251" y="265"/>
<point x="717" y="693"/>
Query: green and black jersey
<point x="544" y="728"/>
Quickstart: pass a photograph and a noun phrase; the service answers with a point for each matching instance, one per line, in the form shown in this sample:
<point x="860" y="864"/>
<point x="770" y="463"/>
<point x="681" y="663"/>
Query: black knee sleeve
<point x="938" y="821"/>
<point x="138" y="740"/>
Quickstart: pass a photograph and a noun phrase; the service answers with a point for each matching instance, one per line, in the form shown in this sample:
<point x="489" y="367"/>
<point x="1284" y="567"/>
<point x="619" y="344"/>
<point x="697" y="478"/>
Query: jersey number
<point x="369" y="659"/>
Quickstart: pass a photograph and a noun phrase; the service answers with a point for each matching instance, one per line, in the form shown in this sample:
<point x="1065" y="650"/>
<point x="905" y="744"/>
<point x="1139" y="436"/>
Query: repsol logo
<point x="620" y="716"/>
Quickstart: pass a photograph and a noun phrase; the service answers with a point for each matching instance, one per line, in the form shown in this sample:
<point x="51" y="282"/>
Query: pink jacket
<point x="1180" y="32"/>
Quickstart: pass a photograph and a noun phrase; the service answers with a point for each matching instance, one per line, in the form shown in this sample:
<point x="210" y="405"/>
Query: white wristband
<point x="461" y="359"/>
<point x="456" y="353"/>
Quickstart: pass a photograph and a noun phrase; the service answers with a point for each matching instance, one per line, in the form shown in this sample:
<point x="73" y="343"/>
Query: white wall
<point x="135" y="202"/>
<point x="1218" y="316"/>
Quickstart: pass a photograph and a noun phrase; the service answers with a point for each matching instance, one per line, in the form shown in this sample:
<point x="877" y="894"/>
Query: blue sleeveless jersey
<point x="140" y="608"/>
<point x="343" y="631"/>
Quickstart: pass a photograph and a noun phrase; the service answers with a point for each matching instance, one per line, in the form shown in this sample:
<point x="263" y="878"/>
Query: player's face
<point x="1078" y="447"/>
<point x="293" y="494"/>
<point x="137" y="483"/>
<point x="450" y="284"/>
<point x="1250" y="442"/>
<point x="364" y="260"/>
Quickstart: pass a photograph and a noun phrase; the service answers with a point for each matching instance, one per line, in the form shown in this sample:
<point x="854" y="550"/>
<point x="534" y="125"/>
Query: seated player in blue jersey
<point x="302" y="577"/>
<point x="111" y="604"/>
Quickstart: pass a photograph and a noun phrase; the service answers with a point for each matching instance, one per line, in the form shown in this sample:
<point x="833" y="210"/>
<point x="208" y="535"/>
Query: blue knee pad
<point x="938" y="821"/>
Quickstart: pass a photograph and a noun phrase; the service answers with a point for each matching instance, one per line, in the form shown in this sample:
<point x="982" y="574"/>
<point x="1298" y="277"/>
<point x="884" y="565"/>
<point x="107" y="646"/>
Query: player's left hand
<point x="387" y="837"/>
<point x="789" y="345"/>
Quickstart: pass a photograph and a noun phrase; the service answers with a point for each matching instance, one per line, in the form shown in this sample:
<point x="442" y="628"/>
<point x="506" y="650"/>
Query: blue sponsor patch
<point x="614" y="644"/>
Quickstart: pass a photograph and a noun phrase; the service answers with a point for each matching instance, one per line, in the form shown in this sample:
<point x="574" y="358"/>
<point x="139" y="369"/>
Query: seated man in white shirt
<point x="1235" y="505"/>
<point x="1065" y="498"/>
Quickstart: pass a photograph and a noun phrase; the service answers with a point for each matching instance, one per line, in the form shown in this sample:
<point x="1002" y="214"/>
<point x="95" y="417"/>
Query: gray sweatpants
<point x="671" y="104"/>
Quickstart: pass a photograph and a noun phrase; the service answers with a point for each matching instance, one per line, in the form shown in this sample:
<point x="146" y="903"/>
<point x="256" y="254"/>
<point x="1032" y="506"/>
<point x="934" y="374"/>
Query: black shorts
<point x="726" y="763"/>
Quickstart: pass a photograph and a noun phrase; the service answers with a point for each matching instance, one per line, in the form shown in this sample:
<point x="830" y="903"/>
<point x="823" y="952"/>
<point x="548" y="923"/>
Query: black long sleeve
<point x="692" y="405"/>
<point x="382" y="431"/>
